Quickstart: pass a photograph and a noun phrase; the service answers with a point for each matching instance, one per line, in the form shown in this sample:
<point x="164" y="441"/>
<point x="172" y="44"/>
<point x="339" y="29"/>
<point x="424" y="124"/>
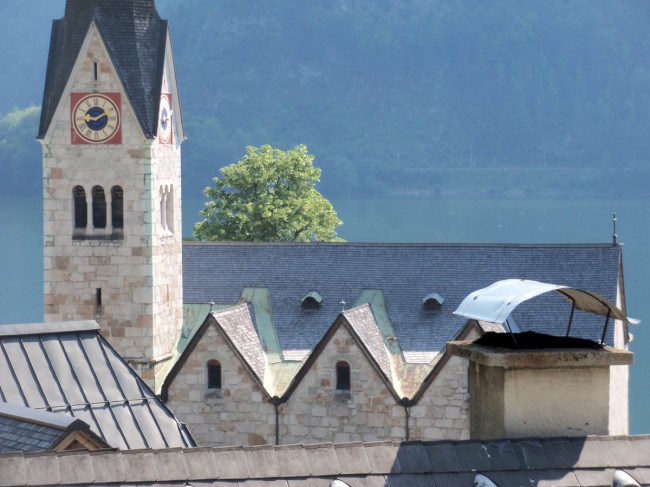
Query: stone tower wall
<point x="138" y="270"/>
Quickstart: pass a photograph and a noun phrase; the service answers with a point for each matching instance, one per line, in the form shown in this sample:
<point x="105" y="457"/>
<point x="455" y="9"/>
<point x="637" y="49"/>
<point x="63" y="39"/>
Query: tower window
<point x="214" y="374"/>
<point x="95" y="72"/>
<point x="169" y="202"/>
<point x="342" y="376"/>
<point x="117" y="207"/>
<point x="98" y="300"/>
<point x="80" y="207"/>
<point x="99" y="207"/>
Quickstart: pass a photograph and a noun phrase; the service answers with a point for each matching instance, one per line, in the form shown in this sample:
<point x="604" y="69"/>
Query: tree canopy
<point x="268" y="196"/>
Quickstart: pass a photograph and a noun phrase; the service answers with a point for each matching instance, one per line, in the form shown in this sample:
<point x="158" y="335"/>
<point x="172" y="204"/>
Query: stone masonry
<point x="139" y="270"/>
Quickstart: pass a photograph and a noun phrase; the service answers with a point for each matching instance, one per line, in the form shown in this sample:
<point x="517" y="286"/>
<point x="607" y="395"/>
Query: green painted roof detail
<point x="261" y="301"/>
<point x="375" y="298"/>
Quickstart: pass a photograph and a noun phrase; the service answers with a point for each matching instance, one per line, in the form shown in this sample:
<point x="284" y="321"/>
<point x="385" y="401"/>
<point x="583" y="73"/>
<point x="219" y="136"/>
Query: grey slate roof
<point x="405" y="273"/>
<point x="135" y="37"/>
<point x="69" y="369"/>
<point x="28" y="430"/>
<point x="536" y="462"/>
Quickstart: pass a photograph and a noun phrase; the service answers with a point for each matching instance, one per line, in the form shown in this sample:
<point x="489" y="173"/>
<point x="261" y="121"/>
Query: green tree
<point x="268" y="196"/>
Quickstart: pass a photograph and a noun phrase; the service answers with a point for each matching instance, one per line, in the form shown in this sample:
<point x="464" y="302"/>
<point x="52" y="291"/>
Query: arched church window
<point x="342" y="376"/>
<point x="214" y="374"/>
<point x="99" y="207"/>
<point x="80" y="207"/>
<point x="163" y="208"/>
<point x="117" y="207"/>
<point x="169" y="210"/>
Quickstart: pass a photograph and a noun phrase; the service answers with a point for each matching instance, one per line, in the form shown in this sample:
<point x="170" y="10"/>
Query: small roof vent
<point x="622" y="479"/>
<point x="432" y="302"/>
<point x="311" y="300"/>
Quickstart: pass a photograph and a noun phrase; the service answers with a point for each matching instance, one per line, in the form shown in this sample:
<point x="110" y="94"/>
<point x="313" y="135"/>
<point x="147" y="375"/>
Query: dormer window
<point x="311" y="301"/>
<point x="432" y="302"/>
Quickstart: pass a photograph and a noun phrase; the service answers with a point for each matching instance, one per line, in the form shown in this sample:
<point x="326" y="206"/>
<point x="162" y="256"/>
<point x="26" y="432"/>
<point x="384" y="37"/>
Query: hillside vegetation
<point x="404" y="97"/>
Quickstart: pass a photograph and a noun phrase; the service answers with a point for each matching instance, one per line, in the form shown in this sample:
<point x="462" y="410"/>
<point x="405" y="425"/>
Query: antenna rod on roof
<point x="614" y="236"/>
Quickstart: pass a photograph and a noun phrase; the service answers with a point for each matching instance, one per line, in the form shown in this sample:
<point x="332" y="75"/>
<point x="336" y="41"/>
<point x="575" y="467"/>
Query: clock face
<point x="165" y="131"/>
<point x="96" y="118"/>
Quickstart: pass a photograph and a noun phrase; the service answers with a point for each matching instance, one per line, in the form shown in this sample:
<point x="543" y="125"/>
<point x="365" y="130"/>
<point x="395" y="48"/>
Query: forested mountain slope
<point x="418" y="96"/>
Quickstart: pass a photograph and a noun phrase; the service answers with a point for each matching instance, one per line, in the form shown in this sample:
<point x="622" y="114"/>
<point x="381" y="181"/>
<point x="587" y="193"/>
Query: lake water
<point x="452" y="219"/>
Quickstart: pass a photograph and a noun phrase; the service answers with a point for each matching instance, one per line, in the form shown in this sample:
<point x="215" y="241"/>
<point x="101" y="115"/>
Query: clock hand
<point x="88" y="118"/>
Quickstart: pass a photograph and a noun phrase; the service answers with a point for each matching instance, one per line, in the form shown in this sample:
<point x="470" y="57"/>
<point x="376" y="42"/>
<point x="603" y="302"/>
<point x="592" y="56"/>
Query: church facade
<point x="254" y="344"/>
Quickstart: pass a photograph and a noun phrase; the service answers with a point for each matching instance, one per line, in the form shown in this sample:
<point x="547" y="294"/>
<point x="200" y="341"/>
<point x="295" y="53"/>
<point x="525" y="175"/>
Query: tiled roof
<point x="135" y="37"/>
<point x="71" y="370"/>
<point x="563" y="462"/>
<point x="404" y="274"/>
<point x="29" y="430"/>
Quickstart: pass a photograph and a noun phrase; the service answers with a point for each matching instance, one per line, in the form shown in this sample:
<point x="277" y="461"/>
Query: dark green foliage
<point x="268" y="196"/>
<point x="427" y="95"/>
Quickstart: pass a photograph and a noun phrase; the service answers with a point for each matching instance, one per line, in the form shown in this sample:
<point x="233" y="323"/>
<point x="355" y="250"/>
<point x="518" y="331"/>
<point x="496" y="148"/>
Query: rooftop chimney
<point x="518" y="393"/>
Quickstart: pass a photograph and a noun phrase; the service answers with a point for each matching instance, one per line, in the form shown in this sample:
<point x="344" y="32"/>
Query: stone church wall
<point x="237" y="414"/>
<point x="240" y="413"/>
<point x="317" y="412"/>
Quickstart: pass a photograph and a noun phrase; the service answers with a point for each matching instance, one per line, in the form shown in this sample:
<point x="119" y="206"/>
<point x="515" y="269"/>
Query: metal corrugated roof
<point x="76" y="372"/>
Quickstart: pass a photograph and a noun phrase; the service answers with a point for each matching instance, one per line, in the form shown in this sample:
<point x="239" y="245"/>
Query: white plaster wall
<point x="556" y="402"/>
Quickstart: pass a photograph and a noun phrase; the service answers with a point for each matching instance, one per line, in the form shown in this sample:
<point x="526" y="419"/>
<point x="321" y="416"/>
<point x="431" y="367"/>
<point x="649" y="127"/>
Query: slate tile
<point x="76" y="468"/>
<point x="322" y="460"/>
<point x="108" y="466"/>
<point x="364" y="480"/>
<point x="531" y="452"/>
<point x="200" y="464"/>
<point x="12" y="469"/>
<point x="442" y="457"/>
<point x="310" y="482"/>
<point x="139" y="465"/>
<point x="261" y="462"/>
<point x="292" y="461"/>
<point x="382" y="457"/>
<point x="231" y="463"/>
<point x="472" y="456"/>
<point x="352" y="458"/>
<point x="509" y="478"/>
<point x="170" y="464"/>
<point x="42" y="469"/>
<point x="562" y="453"/>
<point x="413" y="458"/>
<point x="595" y="477"/>
<point x="553" y="478"/>
<point x="265" y="483"/>
<point x="465" y="479"/>
<point x="503" y="456"/>
<point x="640" y="474"/>
<point x="592" y="454"/>
<point x="625" y="451"/>
<point x="410" y="480"/>
<point x="638" y="450"/>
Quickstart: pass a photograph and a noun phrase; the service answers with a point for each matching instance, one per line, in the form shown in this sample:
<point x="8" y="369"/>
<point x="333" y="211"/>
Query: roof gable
<point x="135" y="37"/>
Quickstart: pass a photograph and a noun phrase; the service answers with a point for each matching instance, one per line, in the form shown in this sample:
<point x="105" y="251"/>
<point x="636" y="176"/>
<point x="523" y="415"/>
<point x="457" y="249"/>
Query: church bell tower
<point x="111" y="131"/>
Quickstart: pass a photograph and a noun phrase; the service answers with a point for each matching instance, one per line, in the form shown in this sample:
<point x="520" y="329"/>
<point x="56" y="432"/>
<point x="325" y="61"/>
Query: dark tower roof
<point x="135" y="37"/>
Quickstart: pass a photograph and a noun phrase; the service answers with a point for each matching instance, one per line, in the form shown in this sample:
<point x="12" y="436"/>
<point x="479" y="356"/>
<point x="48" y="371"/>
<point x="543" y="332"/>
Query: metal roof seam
<point x="33" y="372"/>
<point x="13" y="373"/>
<point x="49" y="363"/>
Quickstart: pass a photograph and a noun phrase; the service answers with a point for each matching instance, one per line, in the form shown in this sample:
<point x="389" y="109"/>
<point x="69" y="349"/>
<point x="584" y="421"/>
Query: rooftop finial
<point x="342" y="303"/>
<point x="614" y="236"/>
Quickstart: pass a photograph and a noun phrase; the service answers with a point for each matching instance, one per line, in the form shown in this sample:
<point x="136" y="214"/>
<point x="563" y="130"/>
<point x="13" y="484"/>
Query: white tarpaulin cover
<point x="495" y="303"/>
